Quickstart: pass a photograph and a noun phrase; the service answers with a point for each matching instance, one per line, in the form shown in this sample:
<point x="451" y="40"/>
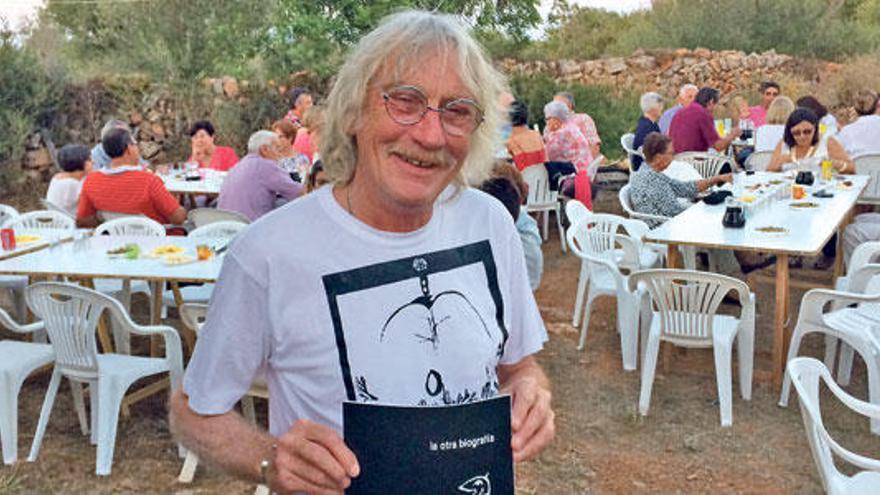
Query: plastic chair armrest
<point x="814" y="301"/>
<point x="7" y="322"/>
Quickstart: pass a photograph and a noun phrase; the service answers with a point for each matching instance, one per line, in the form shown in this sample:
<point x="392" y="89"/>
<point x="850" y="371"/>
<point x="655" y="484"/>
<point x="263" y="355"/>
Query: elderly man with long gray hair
<point x="254" y="186"/>
<point x="312" y="295"/>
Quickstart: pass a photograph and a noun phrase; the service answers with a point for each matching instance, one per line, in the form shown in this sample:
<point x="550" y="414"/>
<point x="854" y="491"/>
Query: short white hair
<point x="114" y="124"/>
<point x="556" y="109"/>
<point x="688" y="87"/>
<point x="649" y="101"/>
<point x="260" y="139"/>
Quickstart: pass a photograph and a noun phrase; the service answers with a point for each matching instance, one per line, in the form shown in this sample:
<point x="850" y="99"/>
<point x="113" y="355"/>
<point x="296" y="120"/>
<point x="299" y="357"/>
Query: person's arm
<point x="840" y="160"/>
<point x="165" y="203"/>
<point x="722" y="143"/>
<point x="704" y="184"/>
<point x="178" y="216"/>
<point x="532" y="418"/>
<point x="309" y="457"/>
<point x="778" y="159"/>
<point x="279" y="182"/>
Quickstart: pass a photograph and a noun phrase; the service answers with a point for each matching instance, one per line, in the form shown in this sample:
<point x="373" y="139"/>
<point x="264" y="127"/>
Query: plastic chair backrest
<point x="42" y="219"/>
<point x="134" y="226"/>
<point x="707" y="164"/>
<point x="539" y="186"/>
<point x="193" y="316"/>
<point x="806" y="374"/>
<point x="218" y="230"/>
<point x="106" y="216"/>
<point x="49" y="205"/>
<point x="7" y="213"/>
<point x="205" y="216"/>
<point x="869" y="165"/>
<point x="651" y="220"/>
<point x="687" y="300"/>
<point x="864" y="253"/>
<point x="71" y="313"/>
<point x="626" y="142"/>
<point x="758" y="161"/>
<point x="576" y="211"/>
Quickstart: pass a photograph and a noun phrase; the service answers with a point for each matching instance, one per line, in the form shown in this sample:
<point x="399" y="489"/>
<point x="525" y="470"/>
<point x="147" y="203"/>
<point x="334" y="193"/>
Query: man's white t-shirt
<point x="330" y="309"/>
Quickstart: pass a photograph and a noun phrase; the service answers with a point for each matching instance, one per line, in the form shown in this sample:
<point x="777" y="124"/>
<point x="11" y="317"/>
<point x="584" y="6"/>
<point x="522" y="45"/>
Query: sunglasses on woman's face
<point x="803" y="132"/>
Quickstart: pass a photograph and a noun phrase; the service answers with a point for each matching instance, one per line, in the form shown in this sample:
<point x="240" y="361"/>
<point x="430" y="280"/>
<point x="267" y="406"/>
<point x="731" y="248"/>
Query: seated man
<point x="861" y="137"/>
<point x="693" y="128"/>
<point x="125" y="187"/>
<point x="253" y="185"/>
<point x="758" y="113"/>
<point x="685" y="97"/>
<point x="582" y="121"/>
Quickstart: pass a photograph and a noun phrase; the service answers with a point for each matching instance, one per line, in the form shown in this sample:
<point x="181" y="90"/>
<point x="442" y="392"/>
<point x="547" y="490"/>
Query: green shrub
<point x="614" y="112"/>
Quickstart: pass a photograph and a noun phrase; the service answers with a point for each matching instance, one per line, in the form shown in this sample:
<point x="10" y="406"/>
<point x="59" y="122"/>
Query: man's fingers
<point x="523" y="398"/>
<point x="321" y="467"/>
<point x="536" y="418"/>
<point x="330" y="440"/>
<point x="538" y="441"/>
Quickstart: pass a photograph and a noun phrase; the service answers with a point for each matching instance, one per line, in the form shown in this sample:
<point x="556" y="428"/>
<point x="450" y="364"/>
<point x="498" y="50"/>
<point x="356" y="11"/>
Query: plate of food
<point x="847" y="184"/>
<point x="177" y="259"/>
<point x="168" y="249"/>
<point x="772" y="230"/>
<point x="803" y="205"/>
<point x="746" y="199"/>
<point x="26" y="239"/>
<point x="129" y="251"/>
<point x="776" y="182"/>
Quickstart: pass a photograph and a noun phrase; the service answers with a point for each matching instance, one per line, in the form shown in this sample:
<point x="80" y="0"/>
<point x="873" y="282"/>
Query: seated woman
<point x="651" y="104"/>
<point x="294" y="163"/>
<point x="305" y="139"/>
<point x="205" y="152"/>
<point x="566" y="143"/>
<point x="768" y="135"/>
<point x="75" y="162"/>
<point x="655" y="193"/>
<point x="800" y="141"/>
<point x="526" y="147"/>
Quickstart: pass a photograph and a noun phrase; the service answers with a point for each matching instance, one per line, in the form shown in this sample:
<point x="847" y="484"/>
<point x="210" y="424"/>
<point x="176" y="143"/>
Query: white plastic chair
<point x="806" y="374"/>
<point x="204" y="216"/>
<point x="193" y="317"/>
<point x="542" y="199"/>
<point x="20" y="359"/>
<point x="71" y="315"/>
<point x="6" y="213"/>
<point x="42" y="219"/>
<point x="626" y="142"/>
<point x="854" y="318"/>
<point x="682" y="309"/>
<point x="107" y="216"/>
<point x="758" y="161"/>
<point x="863" y="254"/>
<point x="598" y="241"/>
<point x="128" y="226"/>
<point x="707" y="164"/>
<point x="869" y="165"/>
<point x="49" y="205"/>
<point x="577" y="212"/>
<point x="223" y="231"/>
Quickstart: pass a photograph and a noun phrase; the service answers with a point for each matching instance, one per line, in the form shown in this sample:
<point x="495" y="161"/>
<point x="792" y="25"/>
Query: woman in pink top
<point x="205" y="152"/>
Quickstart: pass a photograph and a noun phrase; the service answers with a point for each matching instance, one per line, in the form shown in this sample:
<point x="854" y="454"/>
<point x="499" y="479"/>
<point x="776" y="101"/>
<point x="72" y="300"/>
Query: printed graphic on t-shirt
<point x="423" y="330"/>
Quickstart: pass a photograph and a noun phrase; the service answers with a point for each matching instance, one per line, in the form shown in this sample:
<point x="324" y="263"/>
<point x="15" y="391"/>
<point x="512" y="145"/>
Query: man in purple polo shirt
<point x="693" y="128"/>
<point x="252" y="186"/>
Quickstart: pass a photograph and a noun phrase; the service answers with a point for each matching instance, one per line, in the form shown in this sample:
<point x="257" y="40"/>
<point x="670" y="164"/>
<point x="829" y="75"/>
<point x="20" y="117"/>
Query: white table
<point x="208" y="185"/>
<point x="807" y="232"/>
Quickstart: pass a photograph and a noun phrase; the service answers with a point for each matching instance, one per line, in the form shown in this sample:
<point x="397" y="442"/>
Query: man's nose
<point x="429" y="131"/>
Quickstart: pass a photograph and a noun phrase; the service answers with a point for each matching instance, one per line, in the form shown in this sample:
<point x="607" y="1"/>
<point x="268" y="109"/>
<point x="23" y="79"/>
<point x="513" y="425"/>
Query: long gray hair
<point x="399" y="44"/>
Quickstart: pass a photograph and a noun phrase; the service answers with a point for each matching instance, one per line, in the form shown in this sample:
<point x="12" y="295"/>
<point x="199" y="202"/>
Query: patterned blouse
<point x="568" y="144"/>
<point x="655" y="193"/>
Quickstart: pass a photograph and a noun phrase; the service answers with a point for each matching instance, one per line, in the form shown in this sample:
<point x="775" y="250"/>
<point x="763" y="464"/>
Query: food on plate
<point x="775" y="182"/>
<point x="130" y="251"/>
<point x="747" y="199"/>
<point x="845" y="184"/>
<point x="178" y="259"/>
<point x="25" y="238"/>
<point x="804" y="204"/>
<point x="772" y="229"/>
<point x="166" y="250"/>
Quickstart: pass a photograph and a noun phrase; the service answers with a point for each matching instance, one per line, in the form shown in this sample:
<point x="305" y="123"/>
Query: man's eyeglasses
<point x="772" y="93"/>
<point x="407" y="105"/>
<point x="803" y="132"/>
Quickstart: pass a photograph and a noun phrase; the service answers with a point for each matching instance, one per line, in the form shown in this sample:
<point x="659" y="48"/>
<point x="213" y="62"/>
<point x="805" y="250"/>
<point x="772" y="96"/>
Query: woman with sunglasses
<point x="801" y="141"/>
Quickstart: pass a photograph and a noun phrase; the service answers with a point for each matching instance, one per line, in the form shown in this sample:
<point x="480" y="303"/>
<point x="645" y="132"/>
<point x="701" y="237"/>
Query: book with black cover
<point x="461" y="449"/>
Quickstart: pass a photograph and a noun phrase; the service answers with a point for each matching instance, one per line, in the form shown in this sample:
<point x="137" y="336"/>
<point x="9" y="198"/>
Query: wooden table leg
<point x="838" y="255"/>
<point x="673" y="257"/>
<point x="156" y="289"/>
<point x="189" y="337"/>
<point x="779" y="340"/>
<point x="103" y="326"/>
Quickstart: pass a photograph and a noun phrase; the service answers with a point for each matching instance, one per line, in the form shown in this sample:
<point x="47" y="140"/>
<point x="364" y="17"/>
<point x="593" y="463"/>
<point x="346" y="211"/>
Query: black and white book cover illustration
<point x="459" y="449"/>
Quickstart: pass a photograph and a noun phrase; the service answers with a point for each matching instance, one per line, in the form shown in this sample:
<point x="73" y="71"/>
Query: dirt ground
<point x="602" y="444"/>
